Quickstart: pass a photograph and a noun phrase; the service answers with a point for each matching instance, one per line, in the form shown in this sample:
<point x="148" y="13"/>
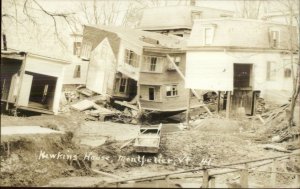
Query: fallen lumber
<point x="107" y="174"/>
<point x="131" y="140"/>
<point x="276" y="148"/>
<point x="126" y="104"/>
<point x="83" y="105"/>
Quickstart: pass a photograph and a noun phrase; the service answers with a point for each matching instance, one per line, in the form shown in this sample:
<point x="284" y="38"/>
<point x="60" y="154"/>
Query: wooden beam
<point x="228" y="105"/>
<point x="244" y="177"/>
<point x="188" y="108"/>
<point x="274" y="174"/>
<point x="183" y="77"/>
<point x="218" y="103"/>
<point x="205" y="179"/>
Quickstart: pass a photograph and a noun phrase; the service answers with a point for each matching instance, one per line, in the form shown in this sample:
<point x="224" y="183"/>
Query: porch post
<point x="188" y="108"/>
<point x="228" y="104"/>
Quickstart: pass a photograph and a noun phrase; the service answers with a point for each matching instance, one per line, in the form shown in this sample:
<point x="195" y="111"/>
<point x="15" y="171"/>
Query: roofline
<point x="36" y="55"/>
<point x="240" y="19"/>
<point x="190" y="6"/>
<point x="235" y="48"/>
<point x="165" y="27"/>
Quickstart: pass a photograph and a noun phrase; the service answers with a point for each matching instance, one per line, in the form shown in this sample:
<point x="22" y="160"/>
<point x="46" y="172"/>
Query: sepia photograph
<point x="150" y="94"/>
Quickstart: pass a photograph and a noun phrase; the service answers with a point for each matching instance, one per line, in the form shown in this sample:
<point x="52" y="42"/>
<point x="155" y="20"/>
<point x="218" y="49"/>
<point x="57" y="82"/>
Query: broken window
<point x="171" y="90"/>
<point x="77" y="71"/>
<point x="287" y="72"/>
<point x="123" y="84"/>
<point x="208" y="35"/>
<point x="131" y="58"/>
<point x="274" y="38"/>
<point x="76" y="48"/>
<point x="271" y="71"/>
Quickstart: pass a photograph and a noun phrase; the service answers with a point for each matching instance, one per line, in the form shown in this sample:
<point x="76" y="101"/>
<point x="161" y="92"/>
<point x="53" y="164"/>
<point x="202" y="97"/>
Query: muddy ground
<point x="216" y="138"/>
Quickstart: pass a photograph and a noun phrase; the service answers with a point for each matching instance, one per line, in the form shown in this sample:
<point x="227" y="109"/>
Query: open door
<point x="25" y="90"/>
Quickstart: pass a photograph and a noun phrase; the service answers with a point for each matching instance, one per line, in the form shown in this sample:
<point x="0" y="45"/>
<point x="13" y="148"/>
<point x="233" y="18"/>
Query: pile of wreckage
<point x="98" y="107"/>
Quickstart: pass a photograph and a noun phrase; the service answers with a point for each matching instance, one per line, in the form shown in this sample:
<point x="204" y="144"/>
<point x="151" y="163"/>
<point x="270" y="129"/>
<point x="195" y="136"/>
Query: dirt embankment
<point x="34" y="159"/>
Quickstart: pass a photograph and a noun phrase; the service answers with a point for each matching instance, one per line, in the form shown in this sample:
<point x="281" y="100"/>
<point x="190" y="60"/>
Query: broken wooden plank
<point x="124" y="103"/>
<point x="83" y="105"/>
<point x="276" y="148"/>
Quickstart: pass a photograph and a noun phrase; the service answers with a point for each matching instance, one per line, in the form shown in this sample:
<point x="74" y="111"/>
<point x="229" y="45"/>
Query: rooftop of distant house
<point x="175" y="17"/>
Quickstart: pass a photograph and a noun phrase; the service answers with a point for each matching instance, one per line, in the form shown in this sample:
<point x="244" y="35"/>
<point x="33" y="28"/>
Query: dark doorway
<point x="9" y="68"/>
<point x="242" y="76"/>
<point x="132" y="89"/>
<point x="151" y="93"/>
<point x="42" y="90"/>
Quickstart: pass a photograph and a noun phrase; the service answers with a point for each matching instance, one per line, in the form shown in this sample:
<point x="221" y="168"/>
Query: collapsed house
<point x="244" y="65"/>
<point x="31" y="82"/>
<point x="133" y="65"/>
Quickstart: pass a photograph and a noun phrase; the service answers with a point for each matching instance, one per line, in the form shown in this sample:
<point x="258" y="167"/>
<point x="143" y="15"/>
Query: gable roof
<point x="176" y="17"/>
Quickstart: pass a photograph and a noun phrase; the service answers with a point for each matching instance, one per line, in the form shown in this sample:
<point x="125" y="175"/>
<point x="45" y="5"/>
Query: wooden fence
<point x="208" y="173"/>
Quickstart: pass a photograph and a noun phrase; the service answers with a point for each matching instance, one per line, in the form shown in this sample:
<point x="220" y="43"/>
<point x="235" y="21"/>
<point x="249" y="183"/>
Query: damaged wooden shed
<point x="31" y="82"/>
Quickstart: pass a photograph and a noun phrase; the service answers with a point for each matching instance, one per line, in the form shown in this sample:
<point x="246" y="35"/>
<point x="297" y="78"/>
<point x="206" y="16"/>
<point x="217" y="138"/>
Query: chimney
<point x="192" y="2"/>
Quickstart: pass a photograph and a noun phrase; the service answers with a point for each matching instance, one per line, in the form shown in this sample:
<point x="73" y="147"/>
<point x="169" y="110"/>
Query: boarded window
<point x="287" y="72"/>
<point x="271" y="71"/>
<point x="123" y="84"/>
<point x="208" y="36"/>
<point x="77" y="71"/>
<point x="171" y="90"/>
<point x="131" y="58"/>
<point x="274" y="38"/>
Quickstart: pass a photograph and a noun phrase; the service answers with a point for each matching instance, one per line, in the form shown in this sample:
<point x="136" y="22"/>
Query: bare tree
<point x="249" y="8"/>
<point x="290" y="10"/>
<point x="28" y="13"/>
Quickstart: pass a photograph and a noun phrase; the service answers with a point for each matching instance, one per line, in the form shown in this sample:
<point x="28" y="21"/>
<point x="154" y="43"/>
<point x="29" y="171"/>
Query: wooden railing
<point x="208" y="173"/>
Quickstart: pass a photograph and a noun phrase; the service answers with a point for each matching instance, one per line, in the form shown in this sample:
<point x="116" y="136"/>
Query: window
<point x="76" y="48"/>
<point x="287" y="72"/>
<point x="171" y="90"/>
<point x="274" y="38"/>
<point x="77" y="71"/>
<point x="208" y="36"/>
<point x="131" y="58"/>
<point x="153" y="63"/>
<point x="271" y="71"/>
<point x="176" y="60"/>
<point x="123" y="84"/>
<point x="151" y="93"/>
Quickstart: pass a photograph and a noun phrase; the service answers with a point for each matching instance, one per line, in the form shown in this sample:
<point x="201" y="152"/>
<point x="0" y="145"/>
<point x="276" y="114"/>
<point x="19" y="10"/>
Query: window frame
<point x="271" y="38"/>
<point x="131" y="58"/>
<point x="77" y="71"/>
<point x="123" y="85"/>
<point x="271" y="71"/>
<point x="210" y="41"/>
<point x="173" y="91"/>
